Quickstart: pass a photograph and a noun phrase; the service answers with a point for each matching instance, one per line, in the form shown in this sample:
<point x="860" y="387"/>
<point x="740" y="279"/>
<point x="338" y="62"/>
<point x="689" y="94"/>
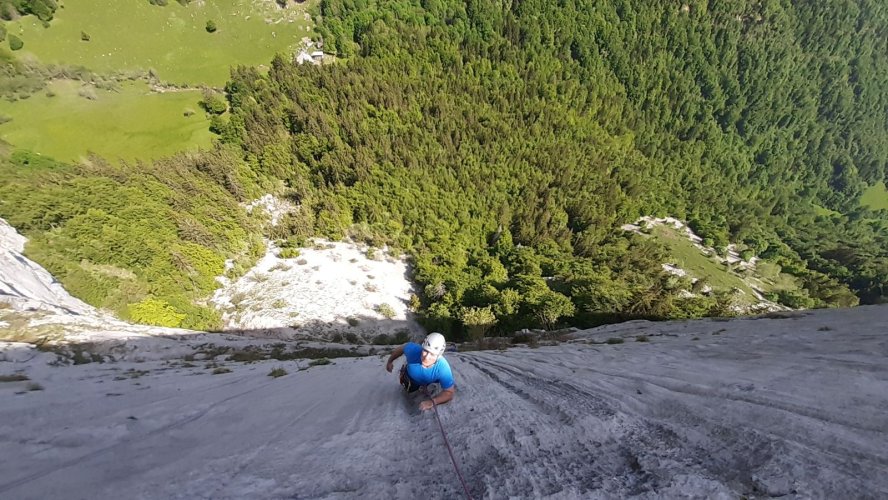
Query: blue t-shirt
<point x="438" y="372"/>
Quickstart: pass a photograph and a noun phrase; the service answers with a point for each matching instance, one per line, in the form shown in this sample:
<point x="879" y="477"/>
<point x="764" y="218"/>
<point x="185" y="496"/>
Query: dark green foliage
<point x="213" y="103"/>
<point x="84" y="36"/>
<point x="43" y="9"/>
<point x="503" y="147"/>
<point x="142" y="240"/>
<point x="15" y="43"/>
<point x="2" y="32"/>
<point x="211" y="26"/>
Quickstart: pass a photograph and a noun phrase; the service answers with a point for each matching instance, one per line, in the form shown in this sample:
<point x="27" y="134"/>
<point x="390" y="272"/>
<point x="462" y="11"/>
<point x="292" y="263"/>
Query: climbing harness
<point x="447" y="443"/>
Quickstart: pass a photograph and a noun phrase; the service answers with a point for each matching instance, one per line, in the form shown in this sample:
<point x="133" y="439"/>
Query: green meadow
<point x="172" y="40"/>
<point x="875" y="197"/>
<point x="135" y="37"/>
<point x="129" y="123"/>
<point x="699" y="265"/>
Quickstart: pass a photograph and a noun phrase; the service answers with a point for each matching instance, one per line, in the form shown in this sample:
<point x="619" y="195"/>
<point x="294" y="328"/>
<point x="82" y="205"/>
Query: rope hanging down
<point x="449" y="449"/>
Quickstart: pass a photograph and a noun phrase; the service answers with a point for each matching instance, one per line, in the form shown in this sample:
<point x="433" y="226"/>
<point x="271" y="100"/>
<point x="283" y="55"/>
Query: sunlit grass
<point x="172" y="40"/>
<point x="700" y="266"/>
<point x="875" y="196"/>
<point x="132" y="123"/>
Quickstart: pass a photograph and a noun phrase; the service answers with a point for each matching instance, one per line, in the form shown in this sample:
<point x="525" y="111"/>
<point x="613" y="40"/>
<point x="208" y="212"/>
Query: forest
<point x="502" y="145"/>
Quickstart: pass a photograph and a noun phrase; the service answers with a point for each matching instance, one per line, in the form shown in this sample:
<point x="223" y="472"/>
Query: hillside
<point x="500" y="148"/>
<point x="789" y="404"/>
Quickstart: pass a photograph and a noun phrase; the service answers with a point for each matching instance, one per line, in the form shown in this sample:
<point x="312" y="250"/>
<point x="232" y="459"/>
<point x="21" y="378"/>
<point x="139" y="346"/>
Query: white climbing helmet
<point x="434" y="343"/>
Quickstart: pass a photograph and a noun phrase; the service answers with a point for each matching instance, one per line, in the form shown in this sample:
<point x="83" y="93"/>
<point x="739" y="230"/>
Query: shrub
<point x="211" y="26"/>
<point x="277" y="372"/>
<point x="353" y="321"/>
<point x="280" y="266"/>
<point x="641" y="338"/>
<point x="218" y="125"/>
<point x="279" y="304"/>
<point x="387" y="311"/>
<point x="33" y="386"/>
<point x="795" y="299"/>
<point x="221" y="370"/>
<point x="289" y="253"/>
<point x="478" y="321"/>
<point x="155" y="312"/>
<point x="614" y="340"/>
<point x="320" y="362"/>
<point x="213" y="103"/>
<point x="15" y="43"/>
<point x="247" y="356"/>
<point x="415" y="303"/>
<point x="84" y="36"/>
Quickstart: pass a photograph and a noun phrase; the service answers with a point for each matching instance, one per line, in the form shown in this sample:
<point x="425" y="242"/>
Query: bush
<point x="84" y="36"/>
<point x="289" y="253"/>
<point x="277" y="372"/>
<point x="614" y="340"/>
<point x="387" y="311"/>
<point x="213" y="103"/>
<point x="221" y="370"/>
<point x="415" y="303"/>
<point x="211" y="26"/>
<point x="15" y="43"/>
<point x="155" y="312"/>
<point x="795" y="299"/>
<point x="320" y="362"/>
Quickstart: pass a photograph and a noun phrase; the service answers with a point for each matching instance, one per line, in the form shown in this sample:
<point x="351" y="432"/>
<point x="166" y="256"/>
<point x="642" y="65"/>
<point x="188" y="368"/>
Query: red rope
<point x="449" y="449"/>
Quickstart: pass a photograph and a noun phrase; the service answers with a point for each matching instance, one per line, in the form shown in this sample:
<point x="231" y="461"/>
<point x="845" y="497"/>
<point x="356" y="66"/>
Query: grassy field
<point x="172" y="40"/>
<point x="819" y="210"/>
<point x="691" y="259"/>
<point x="135" y="36"/>
<point x="875" y="197"/>
<point x="132" y="123"/>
